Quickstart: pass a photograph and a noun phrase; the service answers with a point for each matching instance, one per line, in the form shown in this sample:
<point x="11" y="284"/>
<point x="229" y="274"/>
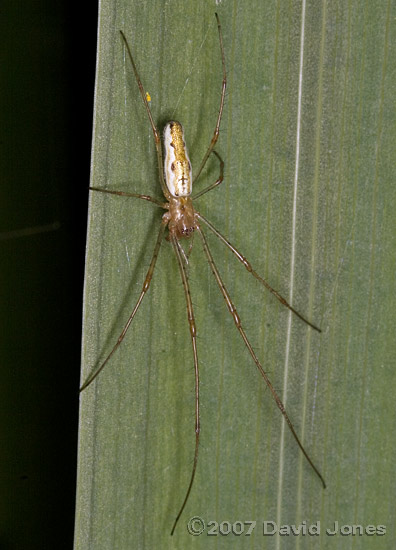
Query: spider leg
<point x="181" y="250"/>
<point x="157" y="137"/>
<point x="238" y="324"/>
<point x="248" y="266"/>
<point x="193" y="332"/>
<point x="190" y="246"/>
<point x="136" y="195"/>
<point x="146" y="285"/>
<point x="223" y="90"/>
<point x="217" y="182"/>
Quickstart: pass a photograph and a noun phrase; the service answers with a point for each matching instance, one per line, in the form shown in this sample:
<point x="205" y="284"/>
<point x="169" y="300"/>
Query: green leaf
<point x="308" y="140"/>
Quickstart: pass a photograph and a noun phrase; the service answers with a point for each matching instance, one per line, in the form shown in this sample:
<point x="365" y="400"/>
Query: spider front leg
<point x="193" y="332"/>
<point x="238" y="324"/>
<point x="248" y="266"/>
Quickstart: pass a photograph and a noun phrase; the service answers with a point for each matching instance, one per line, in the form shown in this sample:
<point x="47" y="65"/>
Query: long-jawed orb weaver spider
<point x="182" y="221"/>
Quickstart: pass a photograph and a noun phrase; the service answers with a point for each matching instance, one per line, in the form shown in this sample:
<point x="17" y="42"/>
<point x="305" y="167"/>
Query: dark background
<point x="48" y="50"/>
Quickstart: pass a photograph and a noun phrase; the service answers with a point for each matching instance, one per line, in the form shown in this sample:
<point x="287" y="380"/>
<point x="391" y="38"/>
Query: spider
<point x="183" y="221"/>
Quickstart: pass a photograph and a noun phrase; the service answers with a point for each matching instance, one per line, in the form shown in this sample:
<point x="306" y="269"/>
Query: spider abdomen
<point x="177" y="165"/>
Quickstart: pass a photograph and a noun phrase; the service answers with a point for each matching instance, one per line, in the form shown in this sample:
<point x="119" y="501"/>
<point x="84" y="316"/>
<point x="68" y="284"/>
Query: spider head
<point x="182" y="217"/>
